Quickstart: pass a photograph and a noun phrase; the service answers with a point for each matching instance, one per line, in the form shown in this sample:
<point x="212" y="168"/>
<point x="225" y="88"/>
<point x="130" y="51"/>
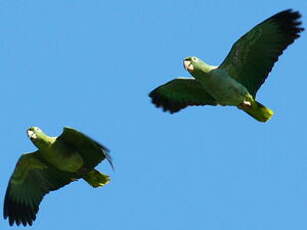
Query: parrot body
<point x="57" y="162"/>
<point x="236" y="81"/>
<point x="61" y="156"/>
<point x="216" y="81"/>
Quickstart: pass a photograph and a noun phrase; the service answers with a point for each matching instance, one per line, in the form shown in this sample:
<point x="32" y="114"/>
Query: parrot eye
<point x="195" y="59"/>
<point x="36" y="129"/>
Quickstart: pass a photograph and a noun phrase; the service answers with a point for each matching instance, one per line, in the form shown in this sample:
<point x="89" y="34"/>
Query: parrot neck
<point x="206" y="67"/>
<point x="43" y="142"/>
<point x="202" y="70"/>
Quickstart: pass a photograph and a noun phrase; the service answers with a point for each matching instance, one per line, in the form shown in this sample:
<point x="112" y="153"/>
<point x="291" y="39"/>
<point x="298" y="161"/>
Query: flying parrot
<point x="57" y="162"/>
<point x="236" y="81"/>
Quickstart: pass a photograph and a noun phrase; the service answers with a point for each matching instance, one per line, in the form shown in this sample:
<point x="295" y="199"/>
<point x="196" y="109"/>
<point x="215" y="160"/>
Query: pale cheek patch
<point x="190" y="67"/>
<point x="31" y="134"/>
<point x="186" y="64"/>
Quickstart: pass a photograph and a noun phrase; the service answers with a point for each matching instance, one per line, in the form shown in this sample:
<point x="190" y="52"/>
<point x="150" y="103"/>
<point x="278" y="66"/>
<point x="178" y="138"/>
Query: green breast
<point x="63" y="157"/>
<point x="223" y="88"/>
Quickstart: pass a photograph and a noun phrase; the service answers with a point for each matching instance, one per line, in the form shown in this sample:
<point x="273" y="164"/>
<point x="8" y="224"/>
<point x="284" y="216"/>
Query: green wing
<point x="31" y="180"/>
<point x="180" y="93"/>
<point x="91" y="151"/>
<point x="253" y="56"/>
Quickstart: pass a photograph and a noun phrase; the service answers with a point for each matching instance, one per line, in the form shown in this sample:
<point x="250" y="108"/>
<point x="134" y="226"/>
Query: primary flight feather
<point x="236" y="81"/>
<point x="57" y="162"/>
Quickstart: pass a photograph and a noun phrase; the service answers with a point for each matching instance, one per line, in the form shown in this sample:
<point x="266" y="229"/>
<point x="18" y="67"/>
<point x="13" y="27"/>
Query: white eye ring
<point x="195" y="59"/>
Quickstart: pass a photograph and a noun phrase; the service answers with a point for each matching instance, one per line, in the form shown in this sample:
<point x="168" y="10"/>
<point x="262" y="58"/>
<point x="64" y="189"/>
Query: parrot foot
<point x="245" y="104"/>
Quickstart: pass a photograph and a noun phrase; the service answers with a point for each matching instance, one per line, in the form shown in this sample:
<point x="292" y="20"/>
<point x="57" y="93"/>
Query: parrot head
<point x="189" y="62"/>
<point x="37" y="136"/>
<point x="194" y="64"/>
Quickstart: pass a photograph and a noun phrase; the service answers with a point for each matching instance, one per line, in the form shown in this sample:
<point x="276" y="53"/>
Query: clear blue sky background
<point x="91" y="64"/>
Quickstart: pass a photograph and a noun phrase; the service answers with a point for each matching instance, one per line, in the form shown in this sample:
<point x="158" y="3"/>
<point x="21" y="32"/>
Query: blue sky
<point x="91" y="64"/>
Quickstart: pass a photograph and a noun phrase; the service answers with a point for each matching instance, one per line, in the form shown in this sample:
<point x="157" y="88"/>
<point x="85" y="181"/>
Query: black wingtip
<point x="164" y="103"/>
<point x="18" y="213"/>
<point x="288" y="21"/>
<point x="105" y="150"/>
<point x="106" y="153"/>
<point x="109" y="159"/>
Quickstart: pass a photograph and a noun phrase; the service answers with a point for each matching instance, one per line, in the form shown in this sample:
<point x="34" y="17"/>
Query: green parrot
<point x="236" y="81"/>
<point x="57" y="162"/>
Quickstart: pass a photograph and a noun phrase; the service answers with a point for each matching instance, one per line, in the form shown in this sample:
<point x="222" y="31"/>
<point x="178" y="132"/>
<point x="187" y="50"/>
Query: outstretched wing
<point x="91" y="151"/>
<point x="252" y="57"/>
<point x="30" y="181"/>
<point x="180" y="93"/>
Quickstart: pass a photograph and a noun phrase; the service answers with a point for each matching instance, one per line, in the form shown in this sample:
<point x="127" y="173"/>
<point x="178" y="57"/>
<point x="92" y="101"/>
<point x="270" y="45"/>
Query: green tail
<point x="258" y="111"/>
<point x="96" y="178"/>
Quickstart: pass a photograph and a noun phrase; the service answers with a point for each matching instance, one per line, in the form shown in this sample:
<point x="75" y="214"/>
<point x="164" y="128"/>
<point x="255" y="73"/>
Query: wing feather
<point x="252" y="57"/>
<point x="30" y="181"/>
<point x="91" y="151"/>
<point x="180" y="93"/>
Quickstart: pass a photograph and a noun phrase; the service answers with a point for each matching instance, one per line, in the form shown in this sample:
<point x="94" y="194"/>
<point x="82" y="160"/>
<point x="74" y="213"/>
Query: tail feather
<point x="257" y="111"/>
<point x="96" y="178"/>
